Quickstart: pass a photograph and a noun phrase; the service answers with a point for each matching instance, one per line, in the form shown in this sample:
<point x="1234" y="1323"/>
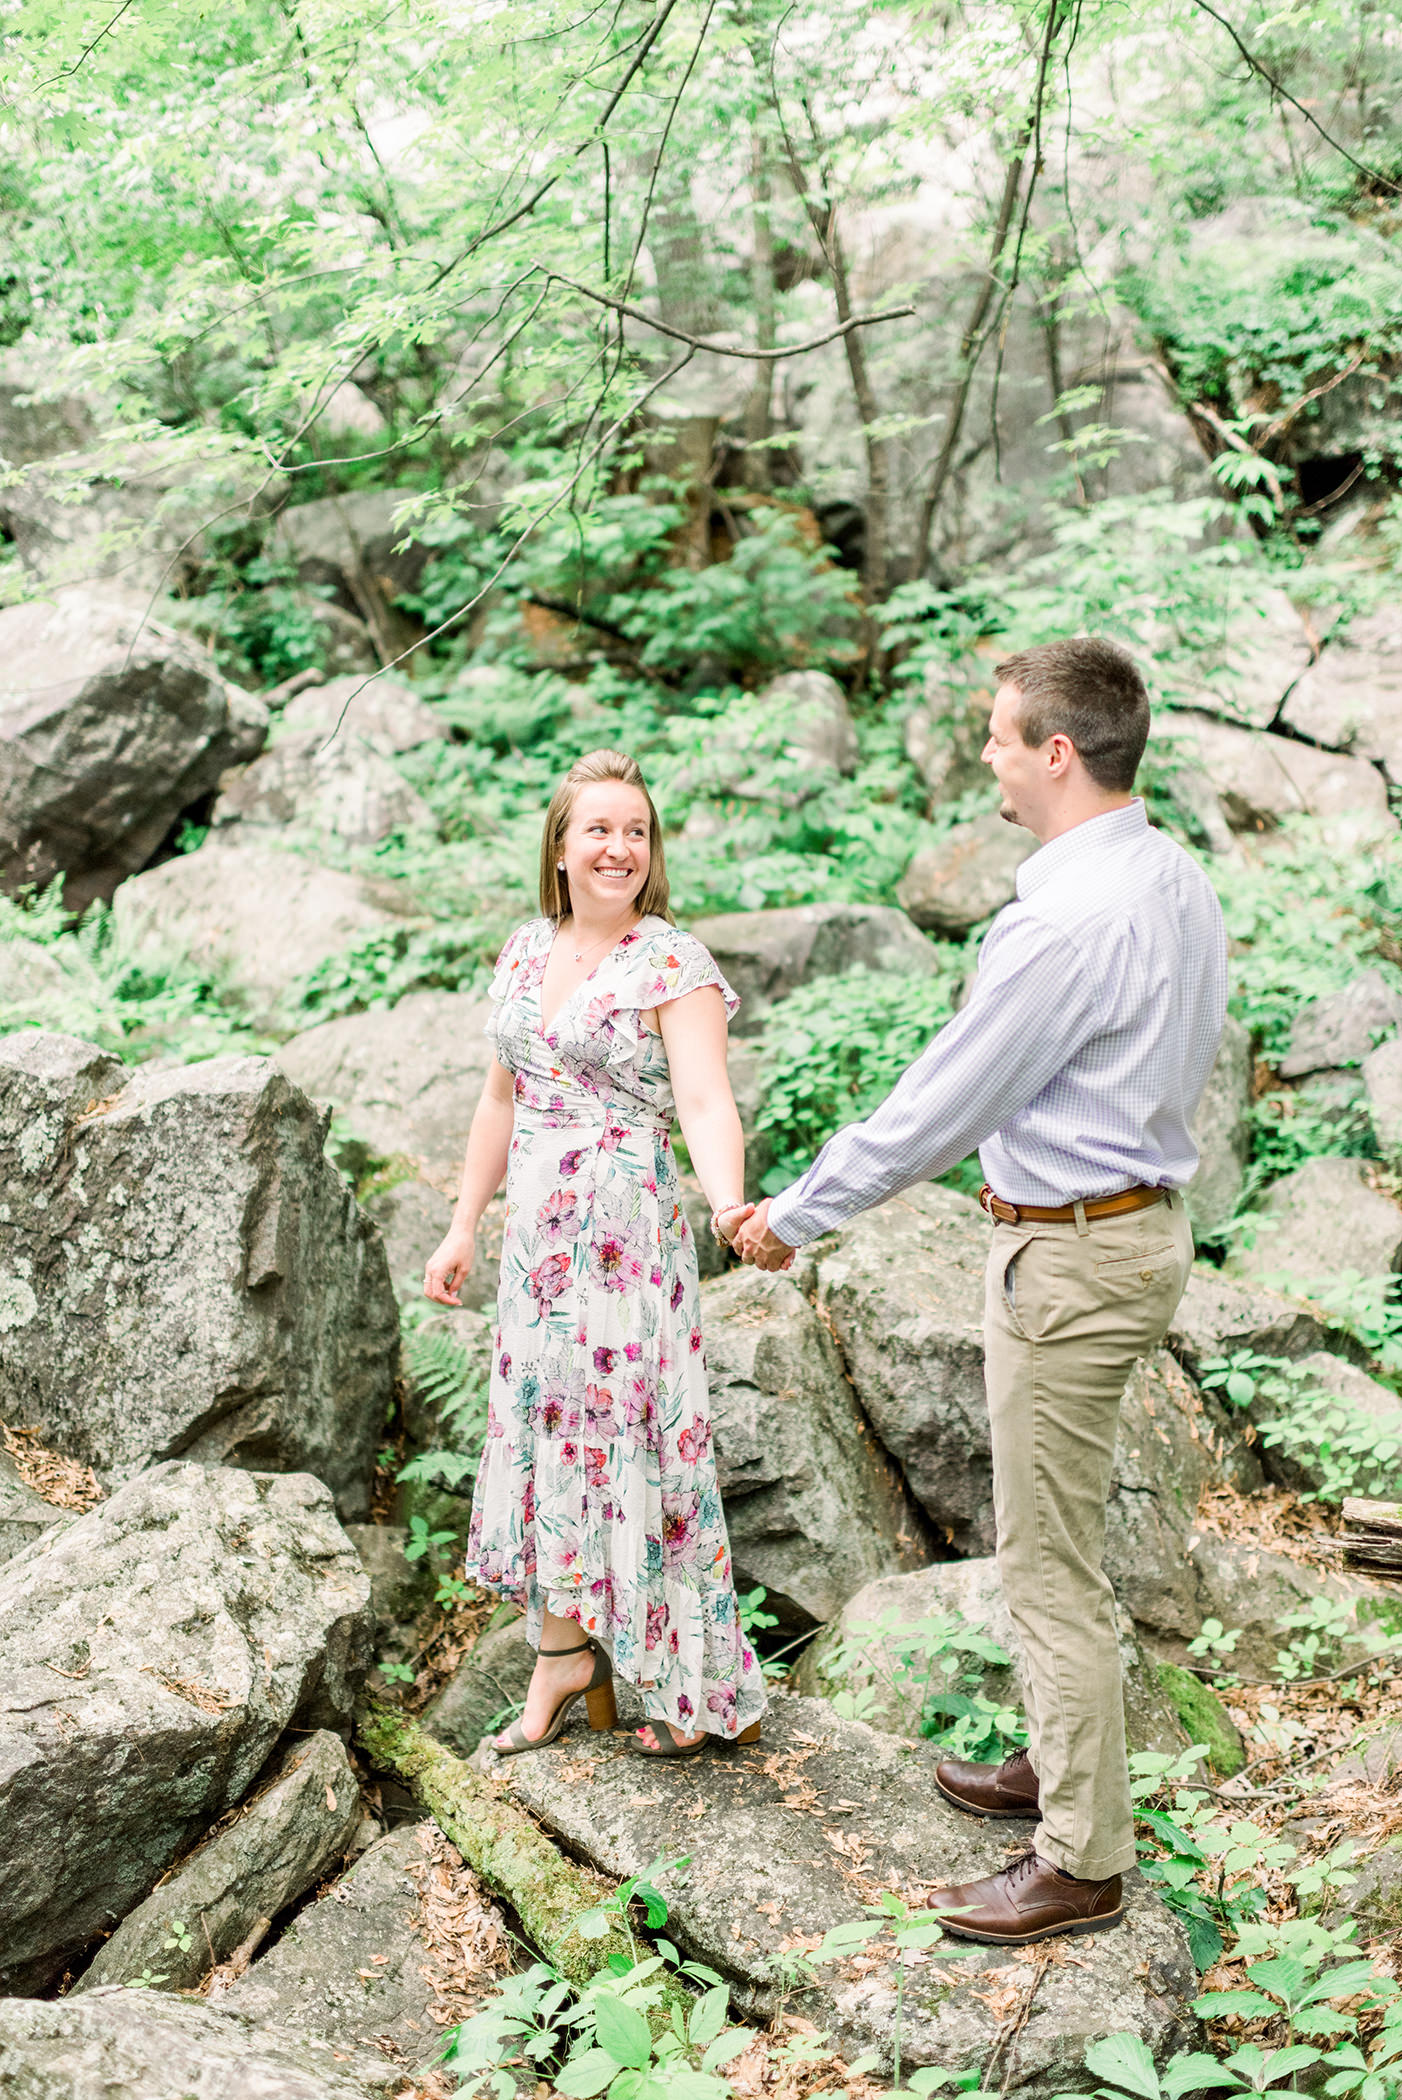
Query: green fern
<point x="443" y="1371"/>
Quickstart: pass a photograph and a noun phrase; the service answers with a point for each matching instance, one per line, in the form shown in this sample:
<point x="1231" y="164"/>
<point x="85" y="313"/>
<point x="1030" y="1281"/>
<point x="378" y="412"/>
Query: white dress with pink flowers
<point x="597" y="1492"/>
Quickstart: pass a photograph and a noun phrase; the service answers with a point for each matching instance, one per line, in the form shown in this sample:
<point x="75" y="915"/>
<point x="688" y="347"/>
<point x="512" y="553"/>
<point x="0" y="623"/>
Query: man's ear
<point x="1060" y="752"/>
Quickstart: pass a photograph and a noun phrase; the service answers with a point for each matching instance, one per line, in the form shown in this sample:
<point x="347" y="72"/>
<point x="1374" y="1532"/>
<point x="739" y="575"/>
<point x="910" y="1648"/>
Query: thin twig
<point x="67" y="72"/>
<point x="700" y="342"/>
<point x="1278" y="87"/>
<point x="444" y="626"/>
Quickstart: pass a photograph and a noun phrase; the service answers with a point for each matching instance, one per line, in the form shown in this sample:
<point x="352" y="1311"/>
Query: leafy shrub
<point x="836" y="1047"/>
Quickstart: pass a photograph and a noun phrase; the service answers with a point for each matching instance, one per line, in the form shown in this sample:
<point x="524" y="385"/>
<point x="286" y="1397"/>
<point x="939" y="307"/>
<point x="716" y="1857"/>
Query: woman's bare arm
<point x="484" y="1167"/>
<point x="693" y="1030"/>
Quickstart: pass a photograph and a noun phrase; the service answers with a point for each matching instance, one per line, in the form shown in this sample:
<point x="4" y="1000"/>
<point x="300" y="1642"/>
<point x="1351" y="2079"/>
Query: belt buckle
<point x="1003" y="1213"/>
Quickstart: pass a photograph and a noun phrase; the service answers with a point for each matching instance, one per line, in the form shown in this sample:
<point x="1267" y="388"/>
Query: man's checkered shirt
<point x="1077" y="1064"/>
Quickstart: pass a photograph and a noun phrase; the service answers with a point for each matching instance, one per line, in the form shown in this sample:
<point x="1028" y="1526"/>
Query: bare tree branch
<point x="701" y="342"/>
<point x="524" y="210"/>
<point x="1278" y="87"/>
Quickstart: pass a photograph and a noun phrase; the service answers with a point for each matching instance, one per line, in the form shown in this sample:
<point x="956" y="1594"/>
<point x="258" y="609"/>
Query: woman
<point x="596" y="1504"/>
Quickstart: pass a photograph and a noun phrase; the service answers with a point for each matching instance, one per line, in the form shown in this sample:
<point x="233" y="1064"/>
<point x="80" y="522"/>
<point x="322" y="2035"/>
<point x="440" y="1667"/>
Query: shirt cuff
<point x="786" y="1220"/>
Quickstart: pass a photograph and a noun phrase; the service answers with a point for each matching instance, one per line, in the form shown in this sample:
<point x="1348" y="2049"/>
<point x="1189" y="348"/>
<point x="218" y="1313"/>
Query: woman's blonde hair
<point x="594" y="766"/>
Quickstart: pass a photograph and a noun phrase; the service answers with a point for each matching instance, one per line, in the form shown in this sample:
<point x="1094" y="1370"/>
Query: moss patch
<point x="1205" y="1718"/>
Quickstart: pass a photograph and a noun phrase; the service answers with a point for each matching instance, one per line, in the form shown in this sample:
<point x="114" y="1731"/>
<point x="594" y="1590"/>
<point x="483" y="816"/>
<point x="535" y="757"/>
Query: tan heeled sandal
<point x="599" y="1704"/>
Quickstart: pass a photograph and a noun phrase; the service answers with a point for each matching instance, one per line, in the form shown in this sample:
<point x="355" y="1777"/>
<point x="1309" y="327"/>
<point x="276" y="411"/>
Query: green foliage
<point x="381" y="968"/>
<point x="924" y="1676"/>
<point x="450" y="1384"/>
<point x="630" y="2033"/>
<point x="259" y="621"/>
<point x="836" y="1048"/>
<point x="1349" y="1449"/>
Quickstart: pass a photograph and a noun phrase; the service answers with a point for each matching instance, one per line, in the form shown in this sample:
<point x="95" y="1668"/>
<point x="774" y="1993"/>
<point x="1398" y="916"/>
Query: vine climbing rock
<point x="776" y="1838"/>
<point x="152" y="1653"/>
<point x="183" y="1272"/>
<point x="110" y="726"/>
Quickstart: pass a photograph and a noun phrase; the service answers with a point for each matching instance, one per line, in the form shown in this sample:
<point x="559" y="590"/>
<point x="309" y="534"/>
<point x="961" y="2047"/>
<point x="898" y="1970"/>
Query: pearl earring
<point x="559" y="867"/>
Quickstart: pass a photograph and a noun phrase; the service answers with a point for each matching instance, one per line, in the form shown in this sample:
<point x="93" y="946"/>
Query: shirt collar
<point x="1091" y="837"/>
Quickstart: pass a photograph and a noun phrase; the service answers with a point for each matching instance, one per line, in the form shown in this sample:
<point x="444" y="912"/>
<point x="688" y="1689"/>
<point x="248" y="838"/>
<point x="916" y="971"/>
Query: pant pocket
<point x="1141" y="1273"/>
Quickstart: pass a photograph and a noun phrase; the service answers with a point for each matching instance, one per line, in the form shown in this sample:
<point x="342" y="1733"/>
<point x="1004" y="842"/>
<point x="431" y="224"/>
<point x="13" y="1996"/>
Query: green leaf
<point x="1343" y="1982"/>
<point x="725" y="2046"/>
<point x="1284" y="2063"/>
<point x="622" y="2030"/>
<point x="586" y="2075"/>
<point x="1195" y="2072"/>
<point x="592" y="1925"/>
<point x="708" y="2017"/>
<point x="1124" y="2060"/>
<point x="1241" y="2005"/>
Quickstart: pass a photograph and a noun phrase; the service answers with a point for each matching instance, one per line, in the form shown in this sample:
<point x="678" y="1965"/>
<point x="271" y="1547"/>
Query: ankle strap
<point x="578" y="1649"/>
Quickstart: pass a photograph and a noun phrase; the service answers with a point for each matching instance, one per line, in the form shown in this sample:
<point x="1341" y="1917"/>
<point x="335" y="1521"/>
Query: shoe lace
<point x="1018" y="1869"/>
<point x="1016" y="1761"/>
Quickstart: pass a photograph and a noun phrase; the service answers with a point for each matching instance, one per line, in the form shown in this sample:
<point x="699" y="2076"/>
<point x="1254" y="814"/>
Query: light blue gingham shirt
<point x="1077" y="1064"/>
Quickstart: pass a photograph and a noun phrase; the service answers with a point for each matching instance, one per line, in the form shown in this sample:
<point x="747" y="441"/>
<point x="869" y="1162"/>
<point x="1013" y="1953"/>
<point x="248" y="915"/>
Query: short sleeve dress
<point x="596" y="1492"/>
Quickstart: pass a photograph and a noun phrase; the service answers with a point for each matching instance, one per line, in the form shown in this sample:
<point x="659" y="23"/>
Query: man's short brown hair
<point x="1087" y="690"/>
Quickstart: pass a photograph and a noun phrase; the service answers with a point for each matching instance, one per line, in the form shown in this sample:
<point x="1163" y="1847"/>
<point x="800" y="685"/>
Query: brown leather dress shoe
<point x="1028" y="1901"/>
<point x="1008" y="1789"/>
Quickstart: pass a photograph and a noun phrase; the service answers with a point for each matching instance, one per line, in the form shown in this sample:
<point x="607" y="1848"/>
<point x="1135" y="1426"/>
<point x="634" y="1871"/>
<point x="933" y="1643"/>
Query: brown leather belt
<point x="1137" y="1198"/>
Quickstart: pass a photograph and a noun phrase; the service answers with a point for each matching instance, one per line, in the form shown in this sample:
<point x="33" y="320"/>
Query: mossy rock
<point x="1205" y="1718"/>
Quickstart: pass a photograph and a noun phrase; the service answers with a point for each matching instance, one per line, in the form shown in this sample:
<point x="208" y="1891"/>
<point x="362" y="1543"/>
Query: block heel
<point x="601" y="1707"/>
<point x="750" y="1734"/>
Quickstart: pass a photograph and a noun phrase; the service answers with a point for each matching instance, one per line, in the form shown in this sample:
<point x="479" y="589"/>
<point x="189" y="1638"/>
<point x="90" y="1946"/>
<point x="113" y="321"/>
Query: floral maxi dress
<point x="596" y="1492"/>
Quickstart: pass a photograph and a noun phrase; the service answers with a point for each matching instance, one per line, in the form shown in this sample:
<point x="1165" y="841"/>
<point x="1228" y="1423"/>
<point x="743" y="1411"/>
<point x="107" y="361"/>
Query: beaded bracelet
<point x="723" y="1210"/>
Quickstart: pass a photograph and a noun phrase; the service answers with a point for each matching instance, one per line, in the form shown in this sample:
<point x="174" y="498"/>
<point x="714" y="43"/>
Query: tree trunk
<point x="759" y="407"/>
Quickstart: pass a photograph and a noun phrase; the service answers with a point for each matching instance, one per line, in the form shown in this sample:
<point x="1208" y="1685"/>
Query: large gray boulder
<point x="765" y="955"/>
<point x="1260" y="778"/>
<point x="1216" y="1317"/>
<point x="858" y="1658"/>
<point x="1259" y="655"/>
<point x="1342" y="1027"/>
<point x="488" y="1686"/>
<point x="1223" y="1133"/>
<point x="813" y="709"/>
<point x="292" y="1834"/>
<point x="774" y="1835"/>
<point x="259" y="919"/>
<point x="344" y="541"/>
<point x="382" y="711"/>
<point x="110" y="726"/>
<point x="407" y="1078"/>
<point x="966" y="876"/>
<point x="1318" y="1222"/>
<point x="151" y="1655"/>
<point x="148" y="2045"/>
<point x="902" y="1287"/>
<point x="337" y="795"/>
<point x="813" y="1507"/>
<point x="182" y="1271"/>
<point x="402" y="1945"/>
<point x="1351" y="698"/>
<point x="25" y="1514"/>
<point x="1382" y="1078"/>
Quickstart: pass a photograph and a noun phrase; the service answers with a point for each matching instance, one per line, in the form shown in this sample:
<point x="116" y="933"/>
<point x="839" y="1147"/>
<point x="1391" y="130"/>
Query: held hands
<point x="756" y="1244"/>
<point x="449" y="1269"/>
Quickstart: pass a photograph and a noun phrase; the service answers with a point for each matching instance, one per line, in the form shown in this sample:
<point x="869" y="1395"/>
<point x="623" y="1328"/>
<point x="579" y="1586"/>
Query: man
<point x="1075" y="1067"/>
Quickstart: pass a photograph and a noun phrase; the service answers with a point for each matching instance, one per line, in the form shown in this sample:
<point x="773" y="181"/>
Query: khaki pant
<point x="1068" y="1309"/>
